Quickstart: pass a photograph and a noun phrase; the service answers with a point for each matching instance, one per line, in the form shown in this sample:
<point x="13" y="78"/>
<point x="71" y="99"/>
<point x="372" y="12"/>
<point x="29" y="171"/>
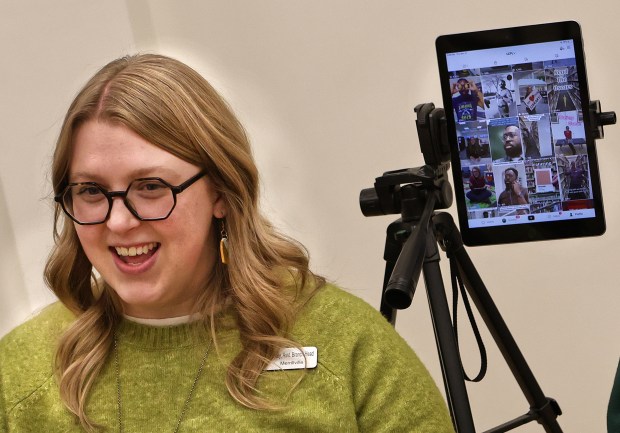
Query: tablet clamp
<point x="411" y="248"/>
<point x="599" y="119"/>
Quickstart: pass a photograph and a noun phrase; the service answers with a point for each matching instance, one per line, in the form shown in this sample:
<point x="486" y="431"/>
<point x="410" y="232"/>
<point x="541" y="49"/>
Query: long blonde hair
<point x="173" y="107"/>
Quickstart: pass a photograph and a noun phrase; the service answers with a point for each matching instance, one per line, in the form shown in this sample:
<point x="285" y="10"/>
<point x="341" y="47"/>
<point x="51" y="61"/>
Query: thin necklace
<point x="118" y="388"/>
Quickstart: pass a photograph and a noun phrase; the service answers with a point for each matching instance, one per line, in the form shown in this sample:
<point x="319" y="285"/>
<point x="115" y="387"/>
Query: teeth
<point x="135" y="251"/>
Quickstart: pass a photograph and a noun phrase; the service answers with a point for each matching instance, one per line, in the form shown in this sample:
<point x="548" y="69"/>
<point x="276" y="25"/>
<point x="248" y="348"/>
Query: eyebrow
<point x="134" y="174"/>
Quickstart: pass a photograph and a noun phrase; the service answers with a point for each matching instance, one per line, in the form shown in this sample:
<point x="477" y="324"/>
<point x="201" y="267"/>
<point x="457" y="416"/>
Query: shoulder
<point x="27" y="352"/>
<point x="47" y="324"/>
<point x="361" y="352"/>
<point x="346" y="328"/>
<point x="331" y="305"/>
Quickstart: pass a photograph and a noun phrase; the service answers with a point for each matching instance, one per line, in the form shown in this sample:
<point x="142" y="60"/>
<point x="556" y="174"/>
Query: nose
<point x="121" y="219"/>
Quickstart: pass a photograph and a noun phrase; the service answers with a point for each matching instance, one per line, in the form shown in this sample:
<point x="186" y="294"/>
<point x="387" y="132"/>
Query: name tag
<point x="294" y="359"/>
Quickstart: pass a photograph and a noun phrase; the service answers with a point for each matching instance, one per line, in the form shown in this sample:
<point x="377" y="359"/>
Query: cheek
<point x="194" y="216"/>
<point x="190" y="228"/>
<point x="191" y="250"/>
<point x="88" y="236"/>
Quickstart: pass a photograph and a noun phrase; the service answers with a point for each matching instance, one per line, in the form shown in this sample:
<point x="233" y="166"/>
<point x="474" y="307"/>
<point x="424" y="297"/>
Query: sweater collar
<point x="173" y="335"/>
<point x="161" y="337"/>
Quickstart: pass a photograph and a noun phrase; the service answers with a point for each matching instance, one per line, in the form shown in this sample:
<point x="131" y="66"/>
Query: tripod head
<point x="405" y="191"/>
<point x="414" y="193"/>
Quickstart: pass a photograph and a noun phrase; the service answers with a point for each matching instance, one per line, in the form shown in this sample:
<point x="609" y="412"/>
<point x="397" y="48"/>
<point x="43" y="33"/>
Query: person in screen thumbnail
<point x="514" y="194"/>
<point x="478" y="191"/>
<point x="512" y="144"/>
<point x="474" y="149"/>
<point x="531" y="148"/>
<point x="504" y="99"/>
<point x="467" y="102"/>
<point x="578" y="182"/>
<point x="568" y="139"/>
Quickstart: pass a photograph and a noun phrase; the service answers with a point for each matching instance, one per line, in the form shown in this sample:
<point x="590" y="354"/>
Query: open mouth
<point x="137" y="254"/>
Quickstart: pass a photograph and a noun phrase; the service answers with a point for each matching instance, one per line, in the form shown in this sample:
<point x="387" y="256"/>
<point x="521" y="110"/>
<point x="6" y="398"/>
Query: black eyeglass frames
<point x="148" y="199"/>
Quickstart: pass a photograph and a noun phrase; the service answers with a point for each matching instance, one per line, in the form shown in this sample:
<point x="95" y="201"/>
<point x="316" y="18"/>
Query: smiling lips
<point x="138" y="254"/>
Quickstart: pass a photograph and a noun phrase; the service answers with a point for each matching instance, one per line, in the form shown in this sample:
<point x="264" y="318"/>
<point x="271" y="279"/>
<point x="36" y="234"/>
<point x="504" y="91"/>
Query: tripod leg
<point x="386" y="310"/>
<point x="449" y="357"/>
<point x="396" y="234"/>
<point x="543" y="409"/>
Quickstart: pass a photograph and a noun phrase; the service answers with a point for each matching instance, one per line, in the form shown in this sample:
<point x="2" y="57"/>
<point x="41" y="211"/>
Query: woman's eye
<point x="150" y="189"/>
<point x="148" y="186"/>
<point x="154" y="186"/>
<point x="89" y="190"/>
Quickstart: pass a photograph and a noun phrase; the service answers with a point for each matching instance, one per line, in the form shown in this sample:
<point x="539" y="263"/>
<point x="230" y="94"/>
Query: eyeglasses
<point x="510" y="135"/>
<point x="148" y="199"/>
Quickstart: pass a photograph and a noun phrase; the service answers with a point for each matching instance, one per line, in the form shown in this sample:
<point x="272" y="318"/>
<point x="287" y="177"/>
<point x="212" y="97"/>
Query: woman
<point x="181" y="308"/>
<point x="478" y="191"/>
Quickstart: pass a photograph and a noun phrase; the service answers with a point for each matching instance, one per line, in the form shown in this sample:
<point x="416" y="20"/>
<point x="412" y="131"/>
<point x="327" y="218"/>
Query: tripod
<point x="420" y="236"/>
<point x="411" y="248"/>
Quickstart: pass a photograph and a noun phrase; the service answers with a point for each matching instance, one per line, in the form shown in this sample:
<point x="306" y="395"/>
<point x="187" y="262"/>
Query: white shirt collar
<point x="168" y="321"/>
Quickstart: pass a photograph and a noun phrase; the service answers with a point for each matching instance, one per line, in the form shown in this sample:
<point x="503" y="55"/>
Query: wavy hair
<point x="173" y="107"/>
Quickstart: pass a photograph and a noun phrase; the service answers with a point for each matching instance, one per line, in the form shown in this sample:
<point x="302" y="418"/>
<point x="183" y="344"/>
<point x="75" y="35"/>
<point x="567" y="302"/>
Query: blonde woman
<point x="180" y="307"/>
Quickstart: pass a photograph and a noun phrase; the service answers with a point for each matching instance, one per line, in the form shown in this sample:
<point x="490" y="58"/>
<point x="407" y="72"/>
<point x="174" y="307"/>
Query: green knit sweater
<point x="367" y="378"/>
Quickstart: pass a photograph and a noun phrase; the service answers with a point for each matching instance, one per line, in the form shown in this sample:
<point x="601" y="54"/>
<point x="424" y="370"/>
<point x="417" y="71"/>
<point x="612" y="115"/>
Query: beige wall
<point x="327" y="90"/>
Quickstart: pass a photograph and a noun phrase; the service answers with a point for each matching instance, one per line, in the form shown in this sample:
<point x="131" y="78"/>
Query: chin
<point x="139" y="299"/>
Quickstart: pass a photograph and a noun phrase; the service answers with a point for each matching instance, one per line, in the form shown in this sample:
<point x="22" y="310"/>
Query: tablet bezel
<point x="513" y="37"/>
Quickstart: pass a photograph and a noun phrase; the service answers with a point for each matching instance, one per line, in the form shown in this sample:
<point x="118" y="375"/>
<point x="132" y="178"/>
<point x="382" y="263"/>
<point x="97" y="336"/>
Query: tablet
<point x="522" y="148"/>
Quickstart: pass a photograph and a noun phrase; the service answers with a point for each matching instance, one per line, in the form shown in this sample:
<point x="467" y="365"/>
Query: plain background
<point x="326" y="90"/>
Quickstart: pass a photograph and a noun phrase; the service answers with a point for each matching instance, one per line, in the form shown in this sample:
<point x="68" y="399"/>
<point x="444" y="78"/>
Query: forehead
<point x="104" y="150"/>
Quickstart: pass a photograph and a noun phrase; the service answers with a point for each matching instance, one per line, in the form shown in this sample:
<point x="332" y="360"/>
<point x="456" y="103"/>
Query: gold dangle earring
<point x="223" y="243"/>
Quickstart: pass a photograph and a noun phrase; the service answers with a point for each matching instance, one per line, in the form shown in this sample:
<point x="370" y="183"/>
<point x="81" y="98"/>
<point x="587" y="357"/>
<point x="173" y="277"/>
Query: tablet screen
<point x="524" y="163"/>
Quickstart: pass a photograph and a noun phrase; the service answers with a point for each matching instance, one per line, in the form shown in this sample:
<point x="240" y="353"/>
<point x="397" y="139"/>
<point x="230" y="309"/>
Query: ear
<point x="219" y="207"/>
